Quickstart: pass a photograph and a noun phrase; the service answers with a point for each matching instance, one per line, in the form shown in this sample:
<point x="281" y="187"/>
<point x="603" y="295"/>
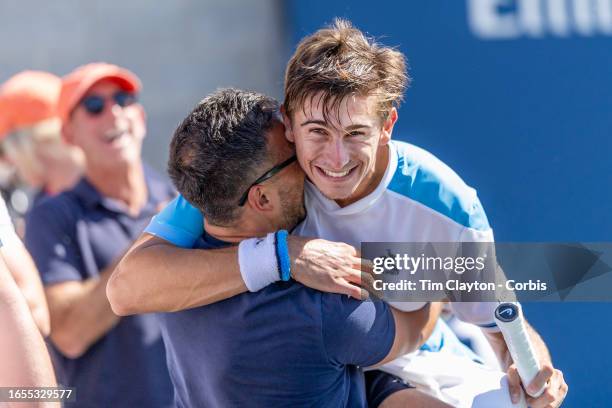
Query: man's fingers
<point x="365" y="295"/>
<point x="545" y="400"/>
<point x="514" y="384"/>
<point x="563" y="388"/>
<point x="359" y="278"/>
<point x="367" y="283"/>
<point x="365" y="280"/>
<point x="351" y="290"/>
<point x="365" y="265"/>
<point x="353" y="276"/>
<point x="363" y="285"/>
<point x="546" y="372"/>
<point x="553" y="395"/>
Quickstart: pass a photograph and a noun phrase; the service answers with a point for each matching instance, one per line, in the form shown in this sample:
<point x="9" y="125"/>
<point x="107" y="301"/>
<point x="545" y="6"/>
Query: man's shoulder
<point x="422" y="177"/>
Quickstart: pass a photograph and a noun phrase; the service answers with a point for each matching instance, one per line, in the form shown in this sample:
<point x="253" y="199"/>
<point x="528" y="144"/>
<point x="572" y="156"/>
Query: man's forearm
<point x="26" y="276"/>
<point x="25" y="361"/>
<point x="156" y="276"/>
<point x="80" y="313"/>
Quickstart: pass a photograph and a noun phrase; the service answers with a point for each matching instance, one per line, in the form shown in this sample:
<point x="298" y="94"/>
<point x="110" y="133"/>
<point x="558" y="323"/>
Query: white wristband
<point x="258" y="262"/>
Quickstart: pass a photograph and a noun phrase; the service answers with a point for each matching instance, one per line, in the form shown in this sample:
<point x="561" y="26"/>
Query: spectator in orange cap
<point x="77" y="237"/>
<point x="30" y="132"/>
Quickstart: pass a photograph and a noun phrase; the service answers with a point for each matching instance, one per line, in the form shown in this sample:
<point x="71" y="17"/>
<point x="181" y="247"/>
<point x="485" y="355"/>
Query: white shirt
<point x="419" y="199"/>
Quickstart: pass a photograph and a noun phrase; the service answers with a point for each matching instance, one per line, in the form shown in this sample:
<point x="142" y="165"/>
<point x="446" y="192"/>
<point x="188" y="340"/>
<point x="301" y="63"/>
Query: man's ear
<point x="288" y="131"/>
<point x="259" y="198"/>
<point x="387" y="127"/>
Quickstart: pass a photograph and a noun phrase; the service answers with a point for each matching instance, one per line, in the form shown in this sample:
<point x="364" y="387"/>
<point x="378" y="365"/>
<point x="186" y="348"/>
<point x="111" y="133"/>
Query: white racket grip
<point x="509" y="319"/>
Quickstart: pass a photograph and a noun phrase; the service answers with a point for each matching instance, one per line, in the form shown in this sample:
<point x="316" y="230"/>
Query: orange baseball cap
<point x="76" y="84"/>
<point x="27" y="98"/>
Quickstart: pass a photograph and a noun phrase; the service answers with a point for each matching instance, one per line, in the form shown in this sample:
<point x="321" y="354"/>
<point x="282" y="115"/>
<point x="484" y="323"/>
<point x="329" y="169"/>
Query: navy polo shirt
<point x="284" y="346"/>
<point x="74" y="236"/>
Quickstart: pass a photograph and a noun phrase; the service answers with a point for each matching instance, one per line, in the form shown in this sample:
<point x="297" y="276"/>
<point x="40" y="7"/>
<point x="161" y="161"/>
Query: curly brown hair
<point x="339" y="61"/>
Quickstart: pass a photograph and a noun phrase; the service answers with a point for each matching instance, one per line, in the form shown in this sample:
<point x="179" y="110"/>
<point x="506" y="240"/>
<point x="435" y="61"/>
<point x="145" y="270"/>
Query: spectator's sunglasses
<point x="94" y="104"/>
<point x="267" y="175"/>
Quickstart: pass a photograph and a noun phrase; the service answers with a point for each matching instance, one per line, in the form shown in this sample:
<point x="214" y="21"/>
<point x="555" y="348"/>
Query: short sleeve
<point x="179" y="223"/>
<point x="51" y="239"/>
<point x="356" y="332"/>
<point x="479" y="313"/>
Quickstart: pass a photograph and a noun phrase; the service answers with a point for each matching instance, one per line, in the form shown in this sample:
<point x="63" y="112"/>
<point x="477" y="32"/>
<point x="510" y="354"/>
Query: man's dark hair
<point x="217" y="150"/>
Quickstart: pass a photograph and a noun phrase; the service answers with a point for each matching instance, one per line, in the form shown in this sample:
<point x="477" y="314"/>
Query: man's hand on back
<point x="329" y="266"/>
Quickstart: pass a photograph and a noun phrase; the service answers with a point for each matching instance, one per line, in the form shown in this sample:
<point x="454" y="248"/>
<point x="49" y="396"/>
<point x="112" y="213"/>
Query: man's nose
<point x="115" y="109"/>
<point x="339" y="154"/>
<point x="114" y="115"/>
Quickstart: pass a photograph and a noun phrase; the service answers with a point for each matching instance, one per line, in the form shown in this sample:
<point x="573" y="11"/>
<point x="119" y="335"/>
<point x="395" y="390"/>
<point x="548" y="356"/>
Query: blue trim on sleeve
<point x="488" y="325"/>
<point x="179" y="223"/>
<point x="170" y="233"/>
<point x="422" y="177"/>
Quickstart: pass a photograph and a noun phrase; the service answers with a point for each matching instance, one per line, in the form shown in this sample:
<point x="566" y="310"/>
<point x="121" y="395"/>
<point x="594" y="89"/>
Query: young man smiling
<point x="341" y="96"/>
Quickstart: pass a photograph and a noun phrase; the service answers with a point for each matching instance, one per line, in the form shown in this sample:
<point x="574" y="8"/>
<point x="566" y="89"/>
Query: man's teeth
<point x="335" y="174"/>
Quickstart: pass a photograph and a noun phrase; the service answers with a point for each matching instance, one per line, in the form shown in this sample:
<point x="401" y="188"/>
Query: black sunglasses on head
<point x="94" y="104"/>
<point x="267" y="175"/>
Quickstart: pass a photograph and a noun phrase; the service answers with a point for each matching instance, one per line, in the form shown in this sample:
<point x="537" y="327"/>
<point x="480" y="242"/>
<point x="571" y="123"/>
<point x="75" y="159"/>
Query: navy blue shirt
<point x="284" y="346"/>
<point x="73" y="236"/>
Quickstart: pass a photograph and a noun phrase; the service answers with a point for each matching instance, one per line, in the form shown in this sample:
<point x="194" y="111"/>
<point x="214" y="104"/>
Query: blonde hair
<point x="21" y="145"/>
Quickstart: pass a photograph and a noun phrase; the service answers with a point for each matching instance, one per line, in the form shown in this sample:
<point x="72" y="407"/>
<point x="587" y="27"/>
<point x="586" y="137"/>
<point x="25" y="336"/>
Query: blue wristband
<point x="282" y="255"/>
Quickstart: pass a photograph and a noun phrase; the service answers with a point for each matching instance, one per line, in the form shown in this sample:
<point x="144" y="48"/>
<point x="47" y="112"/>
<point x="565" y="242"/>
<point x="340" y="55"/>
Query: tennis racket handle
<point x="509" y="318"/>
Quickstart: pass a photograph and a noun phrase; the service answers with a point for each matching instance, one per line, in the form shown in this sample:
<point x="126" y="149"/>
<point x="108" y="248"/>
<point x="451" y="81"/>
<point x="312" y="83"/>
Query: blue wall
<point x="521" y="108"/>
